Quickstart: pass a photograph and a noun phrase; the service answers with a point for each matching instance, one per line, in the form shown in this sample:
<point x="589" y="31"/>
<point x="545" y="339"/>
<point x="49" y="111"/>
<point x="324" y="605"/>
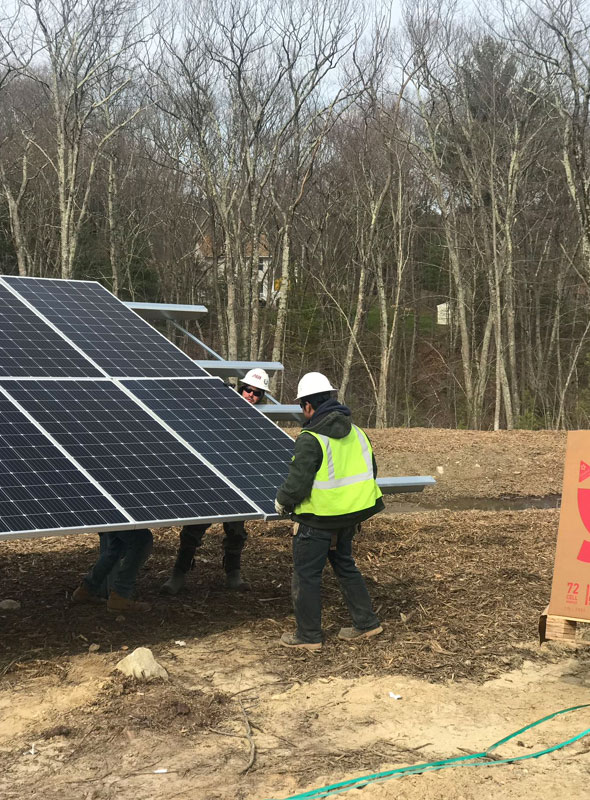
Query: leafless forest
<point x="322" y="176"/>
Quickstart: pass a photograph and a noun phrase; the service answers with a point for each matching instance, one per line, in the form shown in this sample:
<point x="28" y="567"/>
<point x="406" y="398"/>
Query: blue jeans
<point x="131" y="548"/>
<point x="311" y="549"/>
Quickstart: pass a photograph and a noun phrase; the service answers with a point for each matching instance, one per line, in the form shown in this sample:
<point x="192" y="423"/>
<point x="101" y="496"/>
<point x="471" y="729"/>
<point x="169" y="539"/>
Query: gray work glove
<point x="281" y="510"/>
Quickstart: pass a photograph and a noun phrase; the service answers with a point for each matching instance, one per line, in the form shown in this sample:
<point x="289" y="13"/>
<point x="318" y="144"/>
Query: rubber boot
<point x="235" y="583"/>
<point x="174" y="583"/>
<point x="185" y="561"/>
<point x="233" y="578"/>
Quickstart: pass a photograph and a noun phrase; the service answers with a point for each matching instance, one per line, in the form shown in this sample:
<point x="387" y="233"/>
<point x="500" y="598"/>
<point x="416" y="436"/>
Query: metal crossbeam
<point x="225" y="368"/>
<point x="282" y="411"/>
<point x="165" y="311"/>
<point x="406" y="484"/>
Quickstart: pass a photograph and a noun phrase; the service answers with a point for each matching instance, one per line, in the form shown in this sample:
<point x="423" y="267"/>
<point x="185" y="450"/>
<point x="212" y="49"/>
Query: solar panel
<point x="230" y="433"/>
<point x="29" y="347"/>
<point x="113" y="336"/>
<point x="147" y="470"/>
<point x="41" y="491"/>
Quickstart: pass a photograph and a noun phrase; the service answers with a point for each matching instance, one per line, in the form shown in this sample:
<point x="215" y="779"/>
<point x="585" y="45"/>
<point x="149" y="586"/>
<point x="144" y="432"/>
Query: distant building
<point x="443" y="314"/>
<point x="268" y="291"/>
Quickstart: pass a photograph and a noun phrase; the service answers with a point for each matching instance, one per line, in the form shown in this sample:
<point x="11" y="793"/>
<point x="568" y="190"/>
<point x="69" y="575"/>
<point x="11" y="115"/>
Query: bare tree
<point x="78" y="54"/>
<point x="314" y="43"/>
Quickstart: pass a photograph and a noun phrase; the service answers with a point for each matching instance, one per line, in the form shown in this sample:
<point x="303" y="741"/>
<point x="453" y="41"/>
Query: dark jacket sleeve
<point x="304" y="465"/>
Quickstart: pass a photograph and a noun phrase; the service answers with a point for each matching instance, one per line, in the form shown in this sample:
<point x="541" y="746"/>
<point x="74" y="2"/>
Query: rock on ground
<point x="142" y="665"/>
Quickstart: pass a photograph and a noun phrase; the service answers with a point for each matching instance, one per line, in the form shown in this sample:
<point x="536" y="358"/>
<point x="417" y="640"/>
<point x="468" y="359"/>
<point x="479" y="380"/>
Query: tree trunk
<point x="232" y="311"/>
<point x="112" y="211"/>
<point x="278" y="344"/>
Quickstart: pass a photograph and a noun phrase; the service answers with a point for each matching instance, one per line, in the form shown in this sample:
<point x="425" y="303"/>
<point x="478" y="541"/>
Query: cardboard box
<point x="570" y="591"/>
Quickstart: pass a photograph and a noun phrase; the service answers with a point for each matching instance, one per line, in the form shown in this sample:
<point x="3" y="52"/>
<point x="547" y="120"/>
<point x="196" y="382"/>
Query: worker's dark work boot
<point x="83" y="595"/>
<point x="292" y="640"/>
<point x="233" y="577"/>
<point x="184" y="562"/>
<point x="117" y="604"/>
<point x="235" y="582"/>
<point x="351" y="634"/>
<point x="174" y="583"/>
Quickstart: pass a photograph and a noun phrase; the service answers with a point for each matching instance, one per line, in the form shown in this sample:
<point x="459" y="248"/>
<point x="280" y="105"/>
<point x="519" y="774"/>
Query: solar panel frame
<point x="25" y="453"/>
<point x="120" y="343"/>
<point x="249" y="472"/>
<point x="90" y="457"/>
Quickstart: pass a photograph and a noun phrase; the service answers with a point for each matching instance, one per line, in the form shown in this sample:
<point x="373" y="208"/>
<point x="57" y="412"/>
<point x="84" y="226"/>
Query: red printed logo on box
<point x="584" y="511"/>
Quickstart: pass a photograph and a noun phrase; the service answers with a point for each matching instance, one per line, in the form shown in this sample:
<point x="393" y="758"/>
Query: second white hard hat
<point x="313" y="383"/>
<point x="256" y="377"/>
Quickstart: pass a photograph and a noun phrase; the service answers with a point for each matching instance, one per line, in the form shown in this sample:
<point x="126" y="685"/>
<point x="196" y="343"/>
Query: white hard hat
<point x="256" y="377"/>
<point x="313" y="383"/>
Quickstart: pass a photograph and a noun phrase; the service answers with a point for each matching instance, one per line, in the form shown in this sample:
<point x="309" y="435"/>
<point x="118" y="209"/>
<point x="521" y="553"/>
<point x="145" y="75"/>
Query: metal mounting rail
<point x="406" y="484"/>
<point x="280" y="411"/>
<point x="224" y="368"/>
<point x="165" y="311"/>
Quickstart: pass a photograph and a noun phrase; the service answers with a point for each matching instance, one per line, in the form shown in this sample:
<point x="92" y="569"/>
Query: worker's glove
<point x="281" y="510"/>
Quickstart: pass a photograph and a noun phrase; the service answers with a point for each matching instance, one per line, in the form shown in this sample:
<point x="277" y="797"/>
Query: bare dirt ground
<point x="475" y="464"/>
<point x="459" y="593"/>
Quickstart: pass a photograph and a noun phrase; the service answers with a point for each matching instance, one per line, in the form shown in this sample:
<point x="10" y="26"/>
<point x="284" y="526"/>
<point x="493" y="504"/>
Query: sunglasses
<point x="250" y="390"/>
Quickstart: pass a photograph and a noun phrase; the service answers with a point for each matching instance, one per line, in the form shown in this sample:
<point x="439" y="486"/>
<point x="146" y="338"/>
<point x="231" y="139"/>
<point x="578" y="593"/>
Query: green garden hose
<point x="475" y="760"/>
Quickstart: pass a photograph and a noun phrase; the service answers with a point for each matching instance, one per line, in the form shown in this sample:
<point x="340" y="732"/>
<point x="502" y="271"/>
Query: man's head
<point x="254" y="385"/>
<point x="313" y="390"/>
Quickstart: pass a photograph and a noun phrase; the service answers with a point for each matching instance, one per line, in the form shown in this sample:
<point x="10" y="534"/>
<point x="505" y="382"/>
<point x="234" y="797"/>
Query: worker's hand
<point x="281" y="510"/>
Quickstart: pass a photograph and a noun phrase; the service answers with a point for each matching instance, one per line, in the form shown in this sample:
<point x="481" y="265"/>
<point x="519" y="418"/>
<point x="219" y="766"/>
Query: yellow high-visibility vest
<point x="344" y="483"/>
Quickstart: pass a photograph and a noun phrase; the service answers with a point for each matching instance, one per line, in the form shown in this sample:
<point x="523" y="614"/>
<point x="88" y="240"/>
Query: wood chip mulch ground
<point x="459" y="595"/>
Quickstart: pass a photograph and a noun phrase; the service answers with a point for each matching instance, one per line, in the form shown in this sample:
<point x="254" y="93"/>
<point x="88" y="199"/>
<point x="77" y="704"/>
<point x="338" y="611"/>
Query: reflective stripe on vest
<point x="344" y="483"/>
<point x="333" y="482"/>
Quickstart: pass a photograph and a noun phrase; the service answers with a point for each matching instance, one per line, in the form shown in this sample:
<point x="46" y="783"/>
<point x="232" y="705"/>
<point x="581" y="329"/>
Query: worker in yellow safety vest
<point x="329" y="491"/>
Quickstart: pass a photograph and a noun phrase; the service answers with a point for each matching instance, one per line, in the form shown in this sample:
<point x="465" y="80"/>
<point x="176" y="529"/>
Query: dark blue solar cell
<point x="41" y="490"/>
<point x="234" y="436"/>
<point x="29" y="347"/>
<point x="113" y="336"/>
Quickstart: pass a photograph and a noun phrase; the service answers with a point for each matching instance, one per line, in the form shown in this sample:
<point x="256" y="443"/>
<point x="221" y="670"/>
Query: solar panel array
<point x="81" y="450"/>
